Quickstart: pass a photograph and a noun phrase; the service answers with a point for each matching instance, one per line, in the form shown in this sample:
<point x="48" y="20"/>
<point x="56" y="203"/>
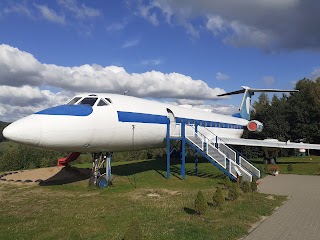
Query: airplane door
<point x="172" y="121"/>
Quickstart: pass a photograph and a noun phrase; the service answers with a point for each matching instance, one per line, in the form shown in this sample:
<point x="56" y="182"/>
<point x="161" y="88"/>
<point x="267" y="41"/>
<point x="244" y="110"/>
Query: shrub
<point x="245" y="186"/>
<point x="274" y="169"/>
<point x="218" y="198"/>
<point x="200" y="204"/>
<point x="254" y="185"/>
<point x="240" y="180"/>
<point x="133" y="232"/>
<point x="227" y="182"/>
<point x="290" y="167"/>
<point x="233" y="192"/>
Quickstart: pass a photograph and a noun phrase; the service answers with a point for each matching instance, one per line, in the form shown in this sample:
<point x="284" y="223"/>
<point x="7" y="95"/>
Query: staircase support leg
<point x="196" y="163"/>
<point x="168" y="150"/>
<point x="183" y="151"/>
<point x="108" y="166"/>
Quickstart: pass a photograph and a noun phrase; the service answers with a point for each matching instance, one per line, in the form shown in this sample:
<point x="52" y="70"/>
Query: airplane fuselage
<point x="110" y="122"/>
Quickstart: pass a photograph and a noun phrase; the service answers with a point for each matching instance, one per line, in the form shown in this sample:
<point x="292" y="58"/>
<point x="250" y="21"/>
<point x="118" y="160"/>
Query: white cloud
<point x="315" y="73"/>
<point x="204" y="105"/>
<point x="224" y="109"/>
<point x="79" y="11"/>
<point x="265" y="24"/>
<point x="146" y="11"/>
<point x="21" y="74"/>
<point x="191" y="30"/>
<point x="245" y="36"/>
<point x="131" y="43"/>
<point x="190" y="102"/>
<point x="222" y="76"/>
<point x="50" y="14"/>
<point x="116" y="26"/>
<point x="16" y="8"/>
<point x="152" y="62"/>
<point x="18" y="68"/>
<point x="17" y="102"/>
<point x="268" y="80"/>
<point x="216" y="25"/>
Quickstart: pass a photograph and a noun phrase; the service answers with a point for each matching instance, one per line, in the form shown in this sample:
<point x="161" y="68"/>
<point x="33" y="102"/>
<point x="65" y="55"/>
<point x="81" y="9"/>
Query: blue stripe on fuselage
<point x="142" y="118"/>
<point x="159" y="119"/>
<point x="68" y="110"/>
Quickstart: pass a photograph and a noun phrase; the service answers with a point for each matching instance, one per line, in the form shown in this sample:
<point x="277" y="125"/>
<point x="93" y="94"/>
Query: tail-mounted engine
<point x="255" y="126"/>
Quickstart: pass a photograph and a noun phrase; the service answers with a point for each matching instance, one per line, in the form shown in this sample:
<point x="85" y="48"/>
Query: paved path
<point x="299" y="217"/>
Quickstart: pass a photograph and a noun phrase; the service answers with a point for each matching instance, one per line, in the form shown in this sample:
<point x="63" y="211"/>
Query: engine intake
<point x="255" y="126"/>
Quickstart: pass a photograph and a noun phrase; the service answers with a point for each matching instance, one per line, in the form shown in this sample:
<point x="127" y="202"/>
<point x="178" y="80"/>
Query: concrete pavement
<point x="299" y="217"/>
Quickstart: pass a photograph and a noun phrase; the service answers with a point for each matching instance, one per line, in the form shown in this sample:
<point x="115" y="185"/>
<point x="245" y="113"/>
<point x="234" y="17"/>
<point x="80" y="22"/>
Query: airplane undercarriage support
<point x="101" y="170"/>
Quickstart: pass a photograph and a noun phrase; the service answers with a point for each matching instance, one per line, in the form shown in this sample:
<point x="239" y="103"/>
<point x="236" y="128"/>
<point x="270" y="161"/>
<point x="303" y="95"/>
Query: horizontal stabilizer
<point x="253" y="90"/>
<point x="245" y="106"/>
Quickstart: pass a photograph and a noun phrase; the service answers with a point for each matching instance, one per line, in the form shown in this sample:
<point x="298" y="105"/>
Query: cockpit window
<point x="74" y="101"/>
<point x="102" y="103"/>
<point x="88" y="101"/>
<point x="108" y="100"/>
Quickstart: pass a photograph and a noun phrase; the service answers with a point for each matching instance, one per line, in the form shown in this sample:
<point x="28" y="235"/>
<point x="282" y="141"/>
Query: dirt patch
<point x="154" y="193"/>
<point x="46" y="176"/>
<point x="270" y="197"/>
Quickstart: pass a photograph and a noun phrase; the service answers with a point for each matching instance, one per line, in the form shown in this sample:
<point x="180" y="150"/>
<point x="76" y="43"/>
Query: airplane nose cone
<point x="26" y="130"/>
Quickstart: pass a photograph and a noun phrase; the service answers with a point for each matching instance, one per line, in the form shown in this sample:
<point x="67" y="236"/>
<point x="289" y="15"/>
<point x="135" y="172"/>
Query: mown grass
<point x="309" y="165"/>
<point x="75" y="211"/>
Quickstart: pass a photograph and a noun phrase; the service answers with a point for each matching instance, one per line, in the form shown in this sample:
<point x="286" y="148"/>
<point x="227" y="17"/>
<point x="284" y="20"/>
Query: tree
<point x="245" y="186"/>
<point x="254" y="185"/>
<point x="304" y="111"/>
<point x="218" y="198"/>
<point x="233" y="192"/>
<point x="200" y="204"/>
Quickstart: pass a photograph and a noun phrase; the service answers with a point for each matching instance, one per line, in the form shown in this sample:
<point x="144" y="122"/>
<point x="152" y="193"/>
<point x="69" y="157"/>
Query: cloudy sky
<point x="185" y="52"/>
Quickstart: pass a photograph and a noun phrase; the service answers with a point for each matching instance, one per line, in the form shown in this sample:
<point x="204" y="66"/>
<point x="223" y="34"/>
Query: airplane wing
<point x="269" y="143"/>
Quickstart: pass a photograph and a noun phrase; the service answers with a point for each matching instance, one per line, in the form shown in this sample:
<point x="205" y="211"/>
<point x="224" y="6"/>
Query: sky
<point x="182" y="52"/>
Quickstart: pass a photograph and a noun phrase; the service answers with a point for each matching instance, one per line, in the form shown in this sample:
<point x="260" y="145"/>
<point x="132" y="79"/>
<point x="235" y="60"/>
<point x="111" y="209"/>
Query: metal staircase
<point x="211" y="147"/>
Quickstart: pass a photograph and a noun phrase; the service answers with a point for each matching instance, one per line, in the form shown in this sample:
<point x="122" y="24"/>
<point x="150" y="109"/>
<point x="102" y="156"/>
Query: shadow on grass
<point x="72" y="174"/>
<point x="67" y="175"/>
<point x="189" y="211"/>
<point x="176" y="171"/>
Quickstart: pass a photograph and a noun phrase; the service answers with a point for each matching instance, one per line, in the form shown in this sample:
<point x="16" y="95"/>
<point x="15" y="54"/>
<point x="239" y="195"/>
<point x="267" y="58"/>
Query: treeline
<point x="294" y="117"/>
<point x="2" y="126"/>
<point x="18" y="157"/>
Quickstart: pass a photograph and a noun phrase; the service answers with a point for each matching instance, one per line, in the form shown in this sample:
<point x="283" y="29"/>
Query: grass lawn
<point x="164" y="208"/>
<point x="309" y="165"/>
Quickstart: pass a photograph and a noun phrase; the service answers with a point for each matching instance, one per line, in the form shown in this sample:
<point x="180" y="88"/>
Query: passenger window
<point x="88" y="101"/>
<point x="74" y="101"/>
<point x="102" y="103"/>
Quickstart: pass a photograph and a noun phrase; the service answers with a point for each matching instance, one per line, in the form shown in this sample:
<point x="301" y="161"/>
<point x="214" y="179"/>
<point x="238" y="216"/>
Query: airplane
<point x="103" y="122"/>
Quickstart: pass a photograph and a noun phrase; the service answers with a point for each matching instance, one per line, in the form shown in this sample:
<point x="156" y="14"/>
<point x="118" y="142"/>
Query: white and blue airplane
<point x="112" y="123"/>
<point x="105" y="122"/>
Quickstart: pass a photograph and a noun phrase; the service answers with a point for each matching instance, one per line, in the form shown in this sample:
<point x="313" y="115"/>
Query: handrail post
<point x="216" y="144"/>
<point x="238" y="158"/>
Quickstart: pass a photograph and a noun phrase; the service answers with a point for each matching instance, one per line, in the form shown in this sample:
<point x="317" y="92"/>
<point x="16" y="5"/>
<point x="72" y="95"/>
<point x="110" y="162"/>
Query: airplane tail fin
<point x="245" y="107"/>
